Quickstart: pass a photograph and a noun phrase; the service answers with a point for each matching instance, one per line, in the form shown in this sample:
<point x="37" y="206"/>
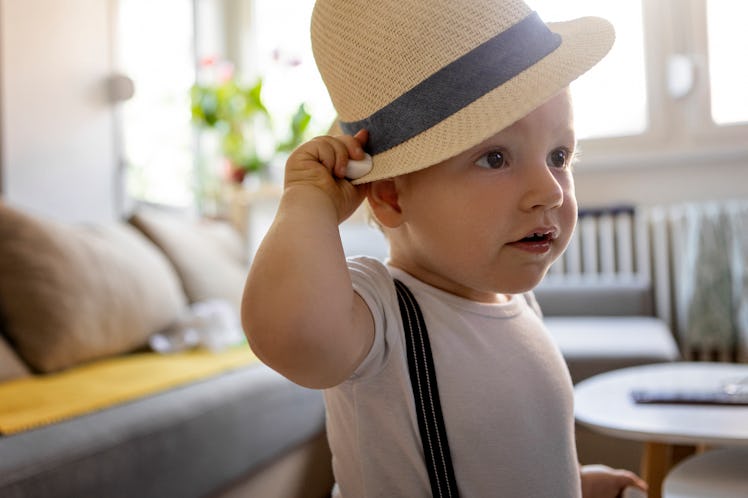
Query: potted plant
<point x="239" y="116"/>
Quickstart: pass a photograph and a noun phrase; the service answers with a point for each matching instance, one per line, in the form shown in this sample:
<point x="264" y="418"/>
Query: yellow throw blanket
<point x="44" y="399"/>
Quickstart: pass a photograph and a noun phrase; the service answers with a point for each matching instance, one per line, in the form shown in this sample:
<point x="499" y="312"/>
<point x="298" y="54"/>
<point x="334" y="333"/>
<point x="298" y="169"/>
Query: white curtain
<point x="712" y="277"/>
<point x="738" y="213"/>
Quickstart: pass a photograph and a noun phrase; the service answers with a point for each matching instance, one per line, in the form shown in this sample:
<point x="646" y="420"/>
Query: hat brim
<point x="584" y="42"/>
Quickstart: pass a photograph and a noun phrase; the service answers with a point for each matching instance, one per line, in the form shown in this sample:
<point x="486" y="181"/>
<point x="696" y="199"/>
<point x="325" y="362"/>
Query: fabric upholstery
<point x="596" y="296"/>
<point x="11" y="366"/>
<point x="184" y="443"/>
<point x="41" y="400"/>
<point x="712" y="277"/>
<point x="595" y="344"/>
<point x="71" y="293"/>
<point x="208" y="255"/>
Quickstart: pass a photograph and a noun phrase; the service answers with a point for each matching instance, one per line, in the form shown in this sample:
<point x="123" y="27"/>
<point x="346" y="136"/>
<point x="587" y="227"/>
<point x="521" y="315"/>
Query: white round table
<point x="719" y="473"/>
<point x="603" y="403"/>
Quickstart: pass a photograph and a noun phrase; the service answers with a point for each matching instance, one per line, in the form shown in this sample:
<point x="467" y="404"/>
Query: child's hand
<point x="601" y="481"/>
<point x="321" y="164"/>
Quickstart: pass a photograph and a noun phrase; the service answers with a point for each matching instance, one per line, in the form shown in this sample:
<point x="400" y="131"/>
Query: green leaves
<point x="299" y="125"/>
<point x="238" y="113"/>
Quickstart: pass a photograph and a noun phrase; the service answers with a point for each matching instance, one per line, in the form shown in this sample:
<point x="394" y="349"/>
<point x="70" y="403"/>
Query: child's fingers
<point x="354" y="151"/>
<point x="336" y="154"/>
<point x="359" y="162"/>
<point x="362" y="137"/>
<point x="628" y="478"/>
<point x="342" y="148"/>
<point x="322" y="163"/>
<point x="327" y="151"/>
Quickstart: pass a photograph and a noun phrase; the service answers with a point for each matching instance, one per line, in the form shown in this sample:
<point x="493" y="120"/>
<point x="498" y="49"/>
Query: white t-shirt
<point x="505" y="390"/>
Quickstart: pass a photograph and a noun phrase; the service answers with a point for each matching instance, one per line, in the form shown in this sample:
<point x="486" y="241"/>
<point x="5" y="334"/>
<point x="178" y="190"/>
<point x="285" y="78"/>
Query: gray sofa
<point x="602" y="325"/>
<point x="71" y="296"/>
<point x="211" y="438"/>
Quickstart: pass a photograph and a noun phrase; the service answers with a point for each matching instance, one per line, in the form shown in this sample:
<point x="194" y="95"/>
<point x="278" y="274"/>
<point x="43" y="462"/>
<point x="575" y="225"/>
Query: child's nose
<point x="542" y="188"/>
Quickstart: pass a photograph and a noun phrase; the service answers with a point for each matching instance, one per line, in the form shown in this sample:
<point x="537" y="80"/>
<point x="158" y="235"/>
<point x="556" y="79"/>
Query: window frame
<point x="680" y="130"/>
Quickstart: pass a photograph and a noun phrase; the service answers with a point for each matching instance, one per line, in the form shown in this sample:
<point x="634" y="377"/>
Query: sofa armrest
<point x="595" y="296"/>
<point x="592" y="344"/>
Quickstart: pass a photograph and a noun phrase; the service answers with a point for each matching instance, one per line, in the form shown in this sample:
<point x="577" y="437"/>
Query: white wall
<point x="663" y="182"/>
<point x="58" y="130"/>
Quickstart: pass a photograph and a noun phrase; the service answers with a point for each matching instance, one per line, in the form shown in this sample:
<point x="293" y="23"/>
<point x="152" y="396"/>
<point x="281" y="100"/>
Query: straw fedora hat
<point x="431" y="78"/>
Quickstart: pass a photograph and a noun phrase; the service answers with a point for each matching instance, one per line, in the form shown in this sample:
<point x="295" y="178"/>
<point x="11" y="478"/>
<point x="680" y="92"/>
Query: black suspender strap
<point x="426" y="394"/>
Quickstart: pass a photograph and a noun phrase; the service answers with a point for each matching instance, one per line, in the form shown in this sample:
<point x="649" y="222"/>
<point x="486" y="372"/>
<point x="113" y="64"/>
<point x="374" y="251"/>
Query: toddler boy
<point x="463" y="107"/>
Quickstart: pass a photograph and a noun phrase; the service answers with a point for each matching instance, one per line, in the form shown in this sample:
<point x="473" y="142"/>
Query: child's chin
<point x="521" y="285"/>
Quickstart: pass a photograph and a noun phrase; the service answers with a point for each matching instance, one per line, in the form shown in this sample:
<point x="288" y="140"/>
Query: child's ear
<point x="384" y="202"/>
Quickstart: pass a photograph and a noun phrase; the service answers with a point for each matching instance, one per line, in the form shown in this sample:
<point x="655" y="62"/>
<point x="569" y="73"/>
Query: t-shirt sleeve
<point x="373" y="282"/>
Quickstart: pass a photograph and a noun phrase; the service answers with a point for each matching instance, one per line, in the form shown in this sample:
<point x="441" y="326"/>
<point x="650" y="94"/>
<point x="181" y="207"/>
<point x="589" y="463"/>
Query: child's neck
<point x="502" y="298"/>
<point x="487" y="298"/>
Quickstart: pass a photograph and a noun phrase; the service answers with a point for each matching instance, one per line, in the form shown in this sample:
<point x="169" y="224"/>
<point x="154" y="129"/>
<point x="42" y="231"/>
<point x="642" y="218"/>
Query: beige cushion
<point x="11" y="366"/>
<point x="209" y="255"/>
<point x="71" y="293"/>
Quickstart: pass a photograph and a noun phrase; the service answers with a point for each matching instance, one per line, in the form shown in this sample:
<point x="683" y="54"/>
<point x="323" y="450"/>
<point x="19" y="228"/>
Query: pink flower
<point x="225" y="71"/>
<point x="208" y="60"/>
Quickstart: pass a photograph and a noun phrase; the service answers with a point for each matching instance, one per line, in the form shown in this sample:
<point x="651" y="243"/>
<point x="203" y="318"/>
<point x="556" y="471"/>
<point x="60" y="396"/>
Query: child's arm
<point x="299" y="311"/>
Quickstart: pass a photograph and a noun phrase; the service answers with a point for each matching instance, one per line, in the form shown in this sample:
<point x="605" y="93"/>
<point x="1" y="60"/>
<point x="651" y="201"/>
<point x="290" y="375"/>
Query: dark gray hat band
<point x="457" y="84"/>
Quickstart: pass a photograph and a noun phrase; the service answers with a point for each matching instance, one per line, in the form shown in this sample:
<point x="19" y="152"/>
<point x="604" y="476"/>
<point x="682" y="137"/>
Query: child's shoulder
<point x="366" y="268"/>
<point x="370" y="277"/>
<point x="366" y="265"/>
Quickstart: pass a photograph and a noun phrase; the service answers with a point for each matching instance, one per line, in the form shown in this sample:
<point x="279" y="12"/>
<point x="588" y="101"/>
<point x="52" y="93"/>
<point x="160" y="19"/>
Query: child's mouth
<point x="538" y="242"/>
<point x="537" y="237"/>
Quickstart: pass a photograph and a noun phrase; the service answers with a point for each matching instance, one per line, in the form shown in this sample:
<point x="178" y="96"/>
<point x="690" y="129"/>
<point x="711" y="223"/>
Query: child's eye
<point x="492" y="160"/>
<point x="559" y="158"/>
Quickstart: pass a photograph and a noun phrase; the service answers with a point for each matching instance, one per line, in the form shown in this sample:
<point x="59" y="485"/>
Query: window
<point x="672" y="90"/>
<point x="597" y="114"/>
<point x="728" y="74"/>
<point x="285" y="61"/>
<point x="247" y="40"/>
<point x="155" y="41"/>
